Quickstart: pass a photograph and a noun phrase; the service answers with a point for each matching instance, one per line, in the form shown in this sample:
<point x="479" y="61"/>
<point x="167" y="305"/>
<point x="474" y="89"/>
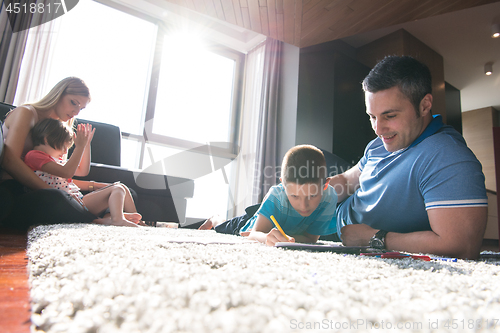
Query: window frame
<point x="151" y="91"/>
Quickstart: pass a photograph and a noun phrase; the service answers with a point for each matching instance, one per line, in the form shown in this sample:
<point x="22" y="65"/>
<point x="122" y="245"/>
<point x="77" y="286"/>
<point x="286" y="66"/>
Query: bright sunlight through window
<point x="113" y="51"/>
<point x="112" y="54"/>
<point x="194" y="92"/>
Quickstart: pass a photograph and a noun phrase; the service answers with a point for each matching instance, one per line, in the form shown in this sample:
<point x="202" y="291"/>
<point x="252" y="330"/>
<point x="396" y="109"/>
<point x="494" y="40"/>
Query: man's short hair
<point x="411" y="76"/>
<point x="303" y="164"/>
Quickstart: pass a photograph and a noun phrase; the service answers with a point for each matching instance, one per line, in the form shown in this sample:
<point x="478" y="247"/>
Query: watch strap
<point x="380" y="238"/>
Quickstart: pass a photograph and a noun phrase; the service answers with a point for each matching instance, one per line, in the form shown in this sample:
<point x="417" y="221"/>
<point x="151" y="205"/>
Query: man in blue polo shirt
<point x="418" y="188"/>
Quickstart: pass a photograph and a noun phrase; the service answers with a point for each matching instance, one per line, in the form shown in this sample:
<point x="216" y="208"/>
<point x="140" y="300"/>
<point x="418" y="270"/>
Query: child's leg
<point x="232" y="226"/>
<point x="211" y="222"/>
<point x="129" y="206"/>
<point x="112" y="197"/>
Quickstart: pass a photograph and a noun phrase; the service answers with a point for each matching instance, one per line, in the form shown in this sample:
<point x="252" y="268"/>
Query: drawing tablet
<point x="337" y="248"/>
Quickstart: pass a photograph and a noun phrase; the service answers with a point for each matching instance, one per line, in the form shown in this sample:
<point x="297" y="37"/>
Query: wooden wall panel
<point x="492" y="225"/>
<point x="209" y="8"/>
<point x="309" y="22"/>
<point x="289" y="21"/>
<point x="273" y="19"/>
<point x="478" y="131"/>
<point x="245" y="14"/>
<point x="403" y="43"/>
<point x="496" y="144"/>
<point x="298" y="23"/>
<point x="435" y="62"/>
<point x="228" y="9"/>
<point x="254" y="10"/>
<point x="477" y="126"/>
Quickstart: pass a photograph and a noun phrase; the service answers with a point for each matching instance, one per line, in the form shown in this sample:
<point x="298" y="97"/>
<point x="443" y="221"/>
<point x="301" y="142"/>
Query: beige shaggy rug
<point x="92" y="278"/>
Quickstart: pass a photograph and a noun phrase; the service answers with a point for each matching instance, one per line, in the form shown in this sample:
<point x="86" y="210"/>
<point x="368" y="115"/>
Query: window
<point x="169" y="91"/>
<point x="190" y="68"/>
<point x="113" y="57"/>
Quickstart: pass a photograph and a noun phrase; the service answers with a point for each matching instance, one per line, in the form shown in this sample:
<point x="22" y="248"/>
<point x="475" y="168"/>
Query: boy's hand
<point x="274" y="236"/>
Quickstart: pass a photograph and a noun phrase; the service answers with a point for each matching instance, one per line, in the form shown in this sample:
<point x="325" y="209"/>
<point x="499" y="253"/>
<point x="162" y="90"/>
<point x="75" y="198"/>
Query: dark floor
<point x="490" y="245"/>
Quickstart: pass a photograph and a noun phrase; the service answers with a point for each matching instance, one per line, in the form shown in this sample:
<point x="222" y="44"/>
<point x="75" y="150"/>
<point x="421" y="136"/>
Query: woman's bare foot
<point x="117" y="222"/>
<point x="212" y="222"/>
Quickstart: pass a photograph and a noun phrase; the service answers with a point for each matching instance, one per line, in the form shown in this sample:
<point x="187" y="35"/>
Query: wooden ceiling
<point x="309" y="22"/>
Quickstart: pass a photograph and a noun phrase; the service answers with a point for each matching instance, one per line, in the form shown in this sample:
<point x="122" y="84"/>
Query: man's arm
<point x="346" y="183"/>
<point x="456" y="232"/>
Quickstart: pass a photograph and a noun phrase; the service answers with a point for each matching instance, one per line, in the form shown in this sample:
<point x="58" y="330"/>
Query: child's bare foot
<point x="133" y="217"/>
<point x="117" y="222"/>
<point x="212" y="222"/>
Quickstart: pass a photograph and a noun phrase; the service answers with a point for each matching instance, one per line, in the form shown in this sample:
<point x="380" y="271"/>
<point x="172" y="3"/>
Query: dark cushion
<point x="106" y="144"/>
<point x="1" y="143"/>
<point x="20" y="210"/>
<point x="108" y="153"/>
<point x="4" y="109"/>
<point x="155" y="203"/>
<point x="335" y="164"/>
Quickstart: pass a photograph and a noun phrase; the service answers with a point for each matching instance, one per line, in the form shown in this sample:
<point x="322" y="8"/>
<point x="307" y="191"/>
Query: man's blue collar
<point x="434" y="126"/>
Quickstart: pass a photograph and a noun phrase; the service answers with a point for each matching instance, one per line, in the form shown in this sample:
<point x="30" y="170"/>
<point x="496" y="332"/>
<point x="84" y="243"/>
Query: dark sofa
<point x="158" y="197"/>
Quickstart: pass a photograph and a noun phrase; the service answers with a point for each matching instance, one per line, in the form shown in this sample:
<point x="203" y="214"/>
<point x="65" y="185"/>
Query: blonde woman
<point x="66" y="99"/>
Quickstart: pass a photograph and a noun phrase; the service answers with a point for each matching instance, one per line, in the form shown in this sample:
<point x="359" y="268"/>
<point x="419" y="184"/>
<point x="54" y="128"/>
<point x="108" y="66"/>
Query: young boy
<point x="303" y="204"/>
<point x="51" y="140"/>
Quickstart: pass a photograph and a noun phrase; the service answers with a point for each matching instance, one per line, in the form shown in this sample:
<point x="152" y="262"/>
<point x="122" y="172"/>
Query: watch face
<point x="377" y="243"/>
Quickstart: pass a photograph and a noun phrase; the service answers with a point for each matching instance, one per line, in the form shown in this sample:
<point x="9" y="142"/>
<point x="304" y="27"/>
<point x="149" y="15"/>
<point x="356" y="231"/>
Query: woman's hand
<point x="89" y="186"/>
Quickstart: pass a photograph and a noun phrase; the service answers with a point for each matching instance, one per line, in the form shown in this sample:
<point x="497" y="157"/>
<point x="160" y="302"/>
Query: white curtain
<point x="12" y="45"/>
<point x="24" y="55"/>
<point x="267" y="172"/>
<point x="255" y="166"/>
<point x="36" y="61"/>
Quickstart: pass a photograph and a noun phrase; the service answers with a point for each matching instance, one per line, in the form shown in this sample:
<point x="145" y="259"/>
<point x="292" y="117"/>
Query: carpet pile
<point x="92" y="278"/>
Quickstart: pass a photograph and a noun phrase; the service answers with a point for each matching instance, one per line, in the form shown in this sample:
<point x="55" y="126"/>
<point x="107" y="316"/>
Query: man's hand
<point x="357" y="234"/>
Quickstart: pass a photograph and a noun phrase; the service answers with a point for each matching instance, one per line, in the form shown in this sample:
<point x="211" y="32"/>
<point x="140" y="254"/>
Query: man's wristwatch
<point x="378" y="240"/>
